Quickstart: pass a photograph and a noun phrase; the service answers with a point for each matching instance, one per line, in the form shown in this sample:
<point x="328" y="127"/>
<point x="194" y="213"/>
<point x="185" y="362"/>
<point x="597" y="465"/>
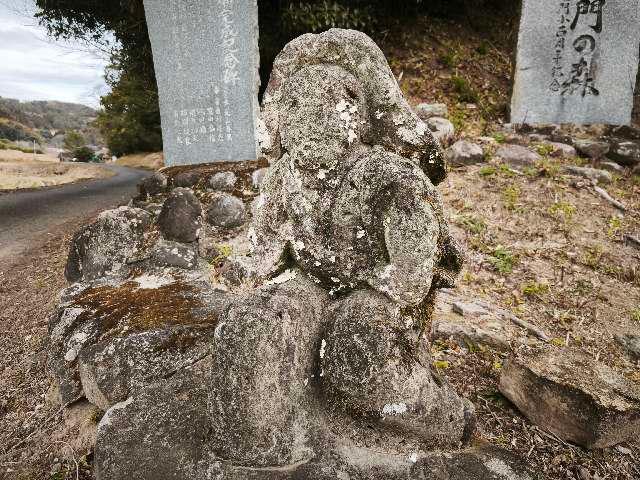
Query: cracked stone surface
<point x="572" y="395"/>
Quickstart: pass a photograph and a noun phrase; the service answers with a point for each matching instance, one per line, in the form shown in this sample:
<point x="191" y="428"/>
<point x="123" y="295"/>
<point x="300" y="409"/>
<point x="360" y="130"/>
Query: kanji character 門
<point x="588" y="7"/>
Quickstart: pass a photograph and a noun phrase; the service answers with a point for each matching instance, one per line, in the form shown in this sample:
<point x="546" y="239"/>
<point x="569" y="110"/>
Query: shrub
<point x="465" y="91"/>
<point x="471" y="224"/>
<point x="315" y="17"/>
<point x="83" y="154"/>
<point x="535" y="289"/>
<point x="511" y="195"/>
<point x="563" y="208"/>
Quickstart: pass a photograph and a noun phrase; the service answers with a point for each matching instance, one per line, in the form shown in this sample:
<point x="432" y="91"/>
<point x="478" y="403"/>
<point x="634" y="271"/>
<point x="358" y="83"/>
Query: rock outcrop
<point x="112" y="241"/>
<point x="572" y="395"/>
<point x="464" y="152"/>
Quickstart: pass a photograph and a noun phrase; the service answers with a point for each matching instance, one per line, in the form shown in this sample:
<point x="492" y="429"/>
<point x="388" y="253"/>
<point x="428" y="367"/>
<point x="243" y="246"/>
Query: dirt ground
<point x="19" y="157"/>
<point x="19" y="170"/>
<point x="149" y="161"/>
<point x="33" y="434"/>
<point x="546" y="247"/>
<point x="438" y="61"/>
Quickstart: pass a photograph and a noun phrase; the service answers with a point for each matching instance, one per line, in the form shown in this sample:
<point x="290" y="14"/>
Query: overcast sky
<point x="33" y="67"/>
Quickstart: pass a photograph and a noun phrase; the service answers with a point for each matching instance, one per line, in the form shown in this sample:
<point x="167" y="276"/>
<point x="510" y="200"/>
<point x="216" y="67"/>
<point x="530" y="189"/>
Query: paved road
<point x="27" y="217"/>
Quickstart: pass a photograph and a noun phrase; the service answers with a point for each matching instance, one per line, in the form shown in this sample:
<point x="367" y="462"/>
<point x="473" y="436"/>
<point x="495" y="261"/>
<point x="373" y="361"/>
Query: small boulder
<point x="464" y="152"/>
<point x="469" y="322"/>
<point x="591" y="148"/>
<point x="226" y="211"/>
<point x="514" y="139"/>
<point x="112" y="241"/>
<point x="180" y="218"/>
<point x="595" y="174"/>
<point x="625" y="153"/>
<point x="153" y="185"/>
<point x="593" y="130"/>
<point x="538" y="138"/>
<point x="186" y="179"/>
<point x="626" y="131"/>
<point x="442" y="129"/>
<point x="153" y="208"/>
<point x="612" y="167"/>
<point x="562" y="138"/>
<point x="223" y="181"/>
<point x="562" y="150"/>
<point x="540" y="129"/>
<point x="570" y="394"/>
<point x="631" y="344"/>
<point x="429" y="110"/>
<point x="517" y="156"/>
<point x="174" y="254"/>
<point x="106" y="314"/>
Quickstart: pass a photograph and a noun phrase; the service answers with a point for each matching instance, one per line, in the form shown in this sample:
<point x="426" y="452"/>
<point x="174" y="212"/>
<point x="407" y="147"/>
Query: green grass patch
<point x="471" y="224"/>
<point x="535" y="289"/>
<point x="503" y="260"/>
<point x="564" y="209"/>
<point x="511" y="196"/>
<point x="487" y="171"/>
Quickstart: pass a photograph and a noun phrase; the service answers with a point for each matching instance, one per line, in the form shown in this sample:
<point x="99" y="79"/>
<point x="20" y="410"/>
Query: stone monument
<point x="291" y="343"/>
<point x="577" y="62"/>
<point x="206" y="61"/>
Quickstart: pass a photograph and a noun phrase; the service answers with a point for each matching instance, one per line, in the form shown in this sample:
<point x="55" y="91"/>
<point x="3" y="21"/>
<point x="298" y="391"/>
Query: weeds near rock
<point x="466" y="93"/>
<point x="564" y="209"/>
<point x="503" y="260"/>
<point x="487" y="171"/>
<point x="471" y="224"/>
<point x="535" y="289"/>
<point x="615" y="226"/>
<point x="511" y="196"/>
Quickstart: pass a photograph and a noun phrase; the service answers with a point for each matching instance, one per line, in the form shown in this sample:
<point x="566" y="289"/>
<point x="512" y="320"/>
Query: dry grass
<point x="148" y="161"/>
<point x="18" y="171"/>
<point x="19" y="157"/>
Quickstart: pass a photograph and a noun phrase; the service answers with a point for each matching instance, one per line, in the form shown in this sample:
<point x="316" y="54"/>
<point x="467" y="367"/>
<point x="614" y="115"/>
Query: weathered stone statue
<point x="302" y="353"/>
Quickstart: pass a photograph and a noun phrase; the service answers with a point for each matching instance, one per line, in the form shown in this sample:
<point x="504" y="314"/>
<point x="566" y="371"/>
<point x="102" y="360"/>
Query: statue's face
<point x="324" y="116"/>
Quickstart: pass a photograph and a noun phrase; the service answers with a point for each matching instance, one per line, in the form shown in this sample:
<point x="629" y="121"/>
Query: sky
<point x="34" y="67"/>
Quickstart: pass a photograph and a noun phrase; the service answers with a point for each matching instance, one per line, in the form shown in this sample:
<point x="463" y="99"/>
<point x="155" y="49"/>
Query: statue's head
<point x="348" y="66"/>
<point x="319" y="127"/>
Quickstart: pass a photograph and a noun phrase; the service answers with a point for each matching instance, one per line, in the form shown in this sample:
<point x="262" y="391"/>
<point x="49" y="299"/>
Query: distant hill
<point x="46" y="119"/>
